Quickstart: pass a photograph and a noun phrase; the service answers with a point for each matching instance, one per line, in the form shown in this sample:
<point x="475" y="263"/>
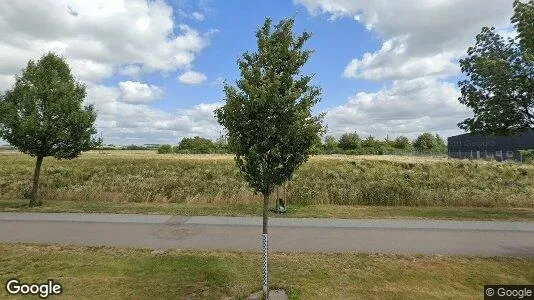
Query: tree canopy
<point x="523" y="20"/>
<point x="349" y="141"/>
<point x="402" y="142"/>
<point x="43" y="114"/>
<point x="196" y="144"/>
<point x="499" y="84"/>
<point x="429" y="142"/>
<point x="268" y="114"/>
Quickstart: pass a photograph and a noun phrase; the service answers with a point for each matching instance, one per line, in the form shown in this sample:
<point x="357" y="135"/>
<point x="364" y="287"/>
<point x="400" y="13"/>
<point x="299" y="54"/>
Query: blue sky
<point x="153" y="69"/>
<point x="235" y="24"/>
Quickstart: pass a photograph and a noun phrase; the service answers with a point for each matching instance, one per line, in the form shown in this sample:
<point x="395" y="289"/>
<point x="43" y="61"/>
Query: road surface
<point x="285" y="234"/>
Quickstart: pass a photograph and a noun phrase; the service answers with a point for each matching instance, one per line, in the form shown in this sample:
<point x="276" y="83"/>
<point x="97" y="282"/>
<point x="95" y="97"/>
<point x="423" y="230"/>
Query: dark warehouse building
<point x="487" y="146"/>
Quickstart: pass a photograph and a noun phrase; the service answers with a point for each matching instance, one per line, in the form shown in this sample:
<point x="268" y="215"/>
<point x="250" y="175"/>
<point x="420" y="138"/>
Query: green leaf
<point x="267" y="114"/>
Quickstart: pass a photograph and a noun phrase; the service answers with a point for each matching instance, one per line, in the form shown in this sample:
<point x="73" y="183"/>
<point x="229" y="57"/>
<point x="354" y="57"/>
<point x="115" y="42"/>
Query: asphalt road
<point x="285" y="234"/>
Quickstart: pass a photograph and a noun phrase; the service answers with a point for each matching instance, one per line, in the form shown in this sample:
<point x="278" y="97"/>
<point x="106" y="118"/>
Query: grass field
<point x="143" y="177"/>
<point x="298" y="211"/>
<point x="105" y="273"/>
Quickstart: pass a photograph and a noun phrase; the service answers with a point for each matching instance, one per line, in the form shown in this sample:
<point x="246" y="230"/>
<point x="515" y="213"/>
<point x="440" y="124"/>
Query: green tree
<point x="402" y="143"/>
<point x="135" y="147"/>
<point x="165" y="149"/>
<point x="387" y="143"/>
<point x="197" y="145"/>
<point x="349" y="141"/>
<point x="370" y="142"/>
<point x="42" y="115"/>
<point x="429" y="142"/>
<point x="317" y="146"/>
<point x="499" y="84"/>
<point x="221" y="145"/>
<point x="268" y="114"/>
<point x="440" y="143"/>
<point x="523" y="20"/>
<point x="330" y="144"/>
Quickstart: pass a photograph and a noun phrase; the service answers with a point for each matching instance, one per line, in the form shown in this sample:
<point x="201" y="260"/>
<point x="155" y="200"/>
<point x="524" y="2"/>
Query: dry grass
<point x="143" y="176"/>
<point x="115" y="273"/>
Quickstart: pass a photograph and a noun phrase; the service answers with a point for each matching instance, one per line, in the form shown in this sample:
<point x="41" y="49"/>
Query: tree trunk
<point x="265" y="241"/>
<point x="265" y="212"/>
<point x="35" y="201"/>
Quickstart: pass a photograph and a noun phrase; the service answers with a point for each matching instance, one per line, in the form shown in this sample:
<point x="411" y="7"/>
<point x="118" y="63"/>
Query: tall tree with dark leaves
<point x="42" y="115"/>
<point x="268" y="115"/>
<point x="499" y="87"/>
<point x="523" y="20"/>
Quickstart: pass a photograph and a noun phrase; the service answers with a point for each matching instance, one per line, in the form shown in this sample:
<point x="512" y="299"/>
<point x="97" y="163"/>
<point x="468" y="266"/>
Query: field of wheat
<point x="144" y="176"/>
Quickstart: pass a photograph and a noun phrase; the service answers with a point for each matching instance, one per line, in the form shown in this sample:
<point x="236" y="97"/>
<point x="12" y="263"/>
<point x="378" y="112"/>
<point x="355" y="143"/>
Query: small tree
<point x="165" y="149"/>
<point x="317" y="146"/>
<point x="349" y="141"/>
<point x="268" y="115"/>
<point x="402" y="143"/>
<point x="370" y="142"/>
<point x="42" y="115"/>
<point x="197" y="145"/>
<point x="330" y="144"/>
<point x="440" y="143"/>
<point x="426" y="142"/>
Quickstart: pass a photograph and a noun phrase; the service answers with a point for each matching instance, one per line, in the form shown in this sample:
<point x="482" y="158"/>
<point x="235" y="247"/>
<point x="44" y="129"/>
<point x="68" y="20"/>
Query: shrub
<point x="197" y="145"/>
<point x="429" y="143"/>
<point x="527" y="155"/>
<point x="402" y="143"/>
<point x="349" y="141"/>
<point x="135" y="147"/>
<point x="165" y="149"/>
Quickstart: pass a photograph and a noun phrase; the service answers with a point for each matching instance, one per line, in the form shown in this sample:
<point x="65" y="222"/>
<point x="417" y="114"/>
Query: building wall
<point x="486" y="146"/>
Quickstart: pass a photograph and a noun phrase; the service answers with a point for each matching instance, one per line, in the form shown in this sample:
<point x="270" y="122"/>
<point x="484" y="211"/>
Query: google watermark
<point x="14" y="286"/>
<point x="524" y="292"/>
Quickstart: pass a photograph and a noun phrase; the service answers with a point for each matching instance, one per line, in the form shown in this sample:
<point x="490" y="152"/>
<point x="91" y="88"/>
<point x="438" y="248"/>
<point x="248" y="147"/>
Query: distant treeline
<point x="348" y="143"/>
<point x="196" y="145"/>
<point x="129" y="147"/>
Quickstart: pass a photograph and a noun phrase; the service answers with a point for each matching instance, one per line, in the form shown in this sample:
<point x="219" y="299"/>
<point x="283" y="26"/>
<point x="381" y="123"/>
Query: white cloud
<point x="407" y="107"/>
<point x="89" y="70"/>
<point x="421" y="37"/>
<point x="219" y="81"/>
<point x="392" y="62"/>
<point x="105" y="37"/>
<point x="137" y="92"/>
<point x="197" y="16"/>
<point x="192" y="77"/>
<point x="6" y="81"/>
<point x="422" y="41"/>
<point x="133" y="71"/>
<point x="97" y="37"/>
<point x="125" y="122"/>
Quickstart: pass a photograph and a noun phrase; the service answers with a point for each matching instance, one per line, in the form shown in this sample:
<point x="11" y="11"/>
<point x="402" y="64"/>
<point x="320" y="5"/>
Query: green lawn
<point x="114" y="273"/>
<point x="318" y="211"/>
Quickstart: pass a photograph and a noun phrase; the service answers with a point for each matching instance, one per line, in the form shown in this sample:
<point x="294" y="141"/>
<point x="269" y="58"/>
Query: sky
<point x="154" y="70"/>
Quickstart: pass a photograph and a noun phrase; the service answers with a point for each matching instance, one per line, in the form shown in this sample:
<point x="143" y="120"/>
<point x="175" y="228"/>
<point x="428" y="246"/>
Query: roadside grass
<point x="144" y="176"/>
<point x="119" y="273"/>
<point x="307" y="211"/>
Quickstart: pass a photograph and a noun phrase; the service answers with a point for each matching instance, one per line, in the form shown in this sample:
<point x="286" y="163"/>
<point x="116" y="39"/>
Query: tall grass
<point x="348" y="180"/>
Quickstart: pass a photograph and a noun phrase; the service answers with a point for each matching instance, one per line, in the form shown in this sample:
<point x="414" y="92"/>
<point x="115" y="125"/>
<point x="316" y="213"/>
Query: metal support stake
<point x="265" y="246"/>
